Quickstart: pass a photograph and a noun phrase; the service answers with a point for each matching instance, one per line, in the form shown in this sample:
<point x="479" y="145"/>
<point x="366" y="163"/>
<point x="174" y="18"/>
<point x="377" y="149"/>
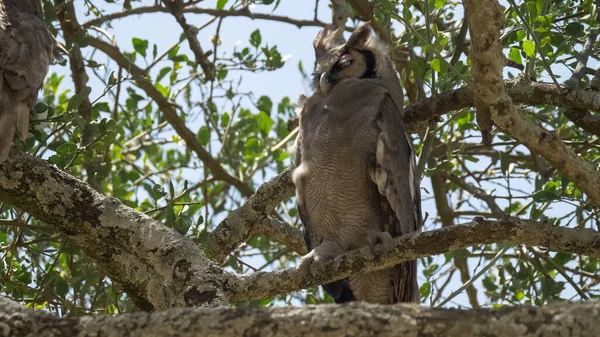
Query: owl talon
<point x="305" y="263"/>
<point x="328" y="250"/>
<point x="379" y="242"/>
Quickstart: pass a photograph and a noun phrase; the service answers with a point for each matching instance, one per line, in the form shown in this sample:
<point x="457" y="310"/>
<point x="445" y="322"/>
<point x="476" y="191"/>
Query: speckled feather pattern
<point x="354" y="178"/>
<point x="26" y="51"/>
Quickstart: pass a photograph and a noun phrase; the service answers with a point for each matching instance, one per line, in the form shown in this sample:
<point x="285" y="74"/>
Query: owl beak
<point x="325" y="83"/>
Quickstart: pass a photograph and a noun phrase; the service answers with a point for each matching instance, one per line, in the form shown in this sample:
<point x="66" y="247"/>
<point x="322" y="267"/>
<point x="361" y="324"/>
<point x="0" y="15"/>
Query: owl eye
<point x="345" y="60"/>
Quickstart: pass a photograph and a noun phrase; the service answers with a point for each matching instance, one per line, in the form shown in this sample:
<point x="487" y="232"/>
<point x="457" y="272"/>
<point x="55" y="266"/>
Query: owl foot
<point x="328" y="250"/>
<point x="379" y="242"/>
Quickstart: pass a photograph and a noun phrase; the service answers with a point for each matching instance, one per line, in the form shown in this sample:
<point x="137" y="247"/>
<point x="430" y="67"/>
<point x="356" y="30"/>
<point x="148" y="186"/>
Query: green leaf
<point x="425" y="290"/>
<point x="544" y="196"/>
<point x="162" y="73"/>
<point x="265" y="104"/>
<point x="418" y="68"/>
<point x="515" y="55"/>
<point x="77" y="99"/>
<point x="529" y="48"/>
<point x="221" y="4"/>
<point x="181" y="226"/>
<point x="225" y="120"/>
<point x="171" y="189"/>
<point x="40" y="107"/>
<point x="574" y="29"/>
<point x="157" y="192"/>
<point x="562" y="258"/>
<point x="264" y="123"/>
<point x="204" y="135"/>
<point x="445" y="166"/>
<point x="255" y="38"/>
<point x="140" y="46"/>
<point x="61" y="287"/>
<point x="67" y="148"/>
<point x="489" y="284"/>
<point x="436" y="64"/>
<point x="440" y="3"/>
<point x="171" y="217"/>
<point x="504" y="162"/>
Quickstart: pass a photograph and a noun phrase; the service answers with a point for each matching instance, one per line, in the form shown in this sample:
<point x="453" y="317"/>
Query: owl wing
<point x="393" y="173"/>
<point x="26" y="51"/>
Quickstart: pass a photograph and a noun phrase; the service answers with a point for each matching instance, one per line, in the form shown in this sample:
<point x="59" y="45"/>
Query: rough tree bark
<point x="357" y="319"/>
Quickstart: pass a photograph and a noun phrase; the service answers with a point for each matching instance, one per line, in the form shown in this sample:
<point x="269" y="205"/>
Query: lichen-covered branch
<point x="340" y="11"/>
<point x="157" y="267"/>
<point x="356" y="319"/>
<point x="262" y="285"/>
<point x="252" y="218"/>
<point x="486" y="19"/>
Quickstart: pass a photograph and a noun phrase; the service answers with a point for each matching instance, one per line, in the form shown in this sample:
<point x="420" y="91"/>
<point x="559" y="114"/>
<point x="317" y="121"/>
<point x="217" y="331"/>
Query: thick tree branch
<point x="170" y="112"/>
<point x="252" y="219"/>
<point x="521" y="91"/>
<point x="486" y="19"/>
<point x="284" y="233"/>
<point x="356" y="319"/>
<point x="157" y="267"/>
<point x="417" y="245"/>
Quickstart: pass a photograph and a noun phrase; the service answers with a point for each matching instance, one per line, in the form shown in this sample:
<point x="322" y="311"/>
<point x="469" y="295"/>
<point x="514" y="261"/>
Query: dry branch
<point x="214" y="12"/>
<point x="190" y="31"/>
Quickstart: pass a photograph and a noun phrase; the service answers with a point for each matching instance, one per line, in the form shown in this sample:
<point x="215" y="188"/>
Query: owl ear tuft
<point x="360" y="36"/>
<point x="320" y="42"/>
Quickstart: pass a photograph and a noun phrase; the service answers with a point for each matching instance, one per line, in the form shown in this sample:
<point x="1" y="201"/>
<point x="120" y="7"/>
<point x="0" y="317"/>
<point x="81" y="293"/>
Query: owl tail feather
<point x="406" y="286"/>
<point x="7" y="133"/>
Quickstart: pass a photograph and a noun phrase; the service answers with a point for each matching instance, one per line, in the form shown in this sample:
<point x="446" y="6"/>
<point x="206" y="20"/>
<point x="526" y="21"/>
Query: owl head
<point x="363" y="56"/>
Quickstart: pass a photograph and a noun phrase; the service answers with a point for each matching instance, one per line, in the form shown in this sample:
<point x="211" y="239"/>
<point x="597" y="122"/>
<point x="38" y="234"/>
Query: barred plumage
<point x="355" y="181"/>
<point x="26" y="50"/>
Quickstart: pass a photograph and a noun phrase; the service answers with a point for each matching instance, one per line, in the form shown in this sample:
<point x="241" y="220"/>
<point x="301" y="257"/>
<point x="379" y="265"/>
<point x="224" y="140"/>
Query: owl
<point x="27" y="48"/>
<point x="355" y="166"/>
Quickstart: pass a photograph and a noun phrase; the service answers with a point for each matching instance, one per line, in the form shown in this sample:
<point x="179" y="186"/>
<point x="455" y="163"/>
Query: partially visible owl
<point x="355" y="166"/>
<point x="27" y="48"/>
